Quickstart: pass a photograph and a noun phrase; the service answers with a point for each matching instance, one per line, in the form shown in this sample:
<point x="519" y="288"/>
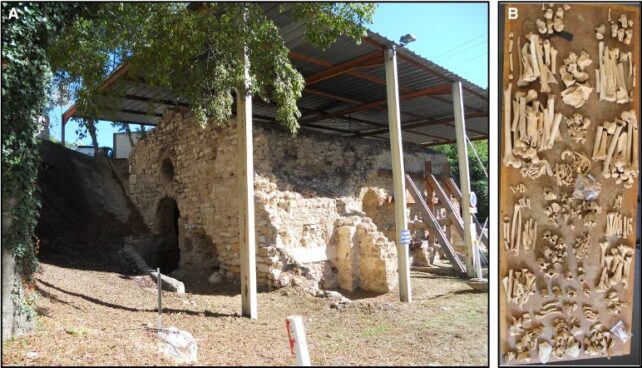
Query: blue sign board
<point x="405" y="237"/>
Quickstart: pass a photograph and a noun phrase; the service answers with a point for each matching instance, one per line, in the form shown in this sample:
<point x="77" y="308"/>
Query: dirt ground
<point x="92" y="317"/>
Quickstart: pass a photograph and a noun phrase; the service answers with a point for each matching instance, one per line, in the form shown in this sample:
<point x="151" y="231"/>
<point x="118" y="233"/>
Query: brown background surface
<point x="580" y="20"/>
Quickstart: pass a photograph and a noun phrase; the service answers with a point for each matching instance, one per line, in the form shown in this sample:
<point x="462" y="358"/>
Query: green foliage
<point x="198" y="54"/>
<point x="478" y="180"/>
<point x="25" y="82"/>
<point x="26" y="78"/>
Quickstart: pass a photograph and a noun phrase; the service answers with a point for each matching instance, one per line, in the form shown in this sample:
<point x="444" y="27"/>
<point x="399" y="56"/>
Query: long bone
<point x="509" y="159"/>
<point x="607" y="161"/>
<point x="596" y="144"/>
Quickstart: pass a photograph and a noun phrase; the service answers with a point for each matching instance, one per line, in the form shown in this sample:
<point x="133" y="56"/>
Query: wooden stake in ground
<point x="298" y="343"/>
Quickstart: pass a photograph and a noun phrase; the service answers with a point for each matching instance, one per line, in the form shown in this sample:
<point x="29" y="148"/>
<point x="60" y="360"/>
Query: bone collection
<point x="599" y="342"/>
<point x="519" y="286"/>
<point x="576" y="79"/>
<point x="591" y="212"/>
<point x="615" y="266"/>
<point x="581" y="245"/>
<point x="618" y="225"/>
<point x="561" y="212"/>
<point x="613" y="82"/>
<point x="576" y="126"/>
<point x="621" y="156"/>
<point x="526" y="343"/>
<point x="564" y="343"/>
<point x="534" y="128"/>
<point x="532" y="139"/>
<point x="620" y="29"/>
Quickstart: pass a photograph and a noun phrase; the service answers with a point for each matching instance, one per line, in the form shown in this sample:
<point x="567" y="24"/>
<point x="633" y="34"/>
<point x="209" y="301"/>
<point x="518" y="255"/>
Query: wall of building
<point x="309" y="190"/>
<point x="121" y="145"/>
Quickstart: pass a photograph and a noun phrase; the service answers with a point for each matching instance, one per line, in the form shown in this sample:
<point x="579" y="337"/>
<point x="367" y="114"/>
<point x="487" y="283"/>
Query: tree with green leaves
<point x="197" y="52"/>
<point x="478" y="178"/>
<point x="27" y="31"/>
<point x="194" y="50"/>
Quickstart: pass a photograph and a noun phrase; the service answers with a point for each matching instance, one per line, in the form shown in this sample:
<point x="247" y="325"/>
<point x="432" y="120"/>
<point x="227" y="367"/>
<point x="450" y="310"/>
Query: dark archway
<point x="167" y="255"/>
<point x="167" y="171"/>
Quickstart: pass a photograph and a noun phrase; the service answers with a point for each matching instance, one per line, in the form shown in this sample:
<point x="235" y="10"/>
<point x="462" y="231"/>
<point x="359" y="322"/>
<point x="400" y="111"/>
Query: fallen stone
<point x="178" y="345"/>
<point x="168" y="283"/>
<point x="31" y="355"/>
<point x="179" y="274"/>
<point x="215" y="278"/>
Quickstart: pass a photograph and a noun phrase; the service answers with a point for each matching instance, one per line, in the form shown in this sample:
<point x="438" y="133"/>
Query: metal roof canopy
<point x="345" y="92"/>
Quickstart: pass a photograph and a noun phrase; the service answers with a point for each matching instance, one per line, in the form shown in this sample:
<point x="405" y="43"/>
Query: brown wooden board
<point x="580" y="20"/>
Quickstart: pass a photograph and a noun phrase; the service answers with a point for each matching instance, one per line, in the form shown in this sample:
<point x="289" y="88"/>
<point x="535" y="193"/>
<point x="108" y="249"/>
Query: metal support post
<point x="398" y="173"/>
<point x="464" y="177"/>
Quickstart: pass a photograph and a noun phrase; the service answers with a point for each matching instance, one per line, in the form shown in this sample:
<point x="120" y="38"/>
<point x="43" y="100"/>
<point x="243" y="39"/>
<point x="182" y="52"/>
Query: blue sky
<point x="453" y="35"/>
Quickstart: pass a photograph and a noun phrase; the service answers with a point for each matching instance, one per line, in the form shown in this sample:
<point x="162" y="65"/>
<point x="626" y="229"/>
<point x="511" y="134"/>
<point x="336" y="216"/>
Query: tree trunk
<point x="129" y="135"/>
<point x="92" y="132"/>
<point x="8" y="271"/>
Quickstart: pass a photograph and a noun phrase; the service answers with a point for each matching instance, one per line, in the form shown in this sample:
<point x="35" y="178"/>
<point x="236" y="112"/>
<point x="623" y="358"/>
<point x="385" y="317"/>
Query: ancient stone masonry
<point x="311" y="220"/>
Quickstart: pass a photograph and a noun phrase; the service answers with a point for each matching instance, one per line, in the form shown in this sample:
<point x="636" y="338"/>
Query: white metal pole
<point x="246" y="187"/>
<point x="398" y="173"/>
<point x="298" y="343"/>
<point x="464" y="176"/>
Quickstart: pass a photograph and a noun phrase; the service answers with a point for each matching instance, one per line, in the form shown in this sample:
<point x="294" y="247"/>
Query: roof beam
<point x="116" y="74"/>
<point x="431" y="144"/>
<point x="424" y="123"/>
<point x="441" y="89"/>
<point x="414" y="62"/>
<point x="365" y="76"/>
<point x="373" y="58"/>
<point x="155" y="101"/>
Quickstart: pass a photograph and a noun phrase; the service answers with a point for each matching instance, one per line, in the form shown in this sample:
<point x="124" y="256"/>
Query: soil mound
<point x="85" y="213"/>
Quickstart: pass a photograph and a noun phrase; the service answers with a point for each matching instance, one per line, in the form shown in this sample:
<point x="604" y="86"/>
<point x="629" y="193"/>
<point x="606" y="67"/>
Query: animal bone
<point x="589" y="313"/>
<point x="581" y="245"/>
<point x="519" y="188"/>
<point x="599" y="31"/>
<point x="599" y="342"/>
<point x="541" y="26"/>
<point x="577" y="126"/>
<point x="510" y="51"/>
<point x="579" y="163"/>
<point x="612" y="146"/>
<point x="549" y="195"/>
<point x="603" y="245"/>
<point x="596" y="143"/>
<point x="509" y="159"/>
<point x="603" y="281"/>
<point x="564" y="174"/>
<point x="576" y="95"/>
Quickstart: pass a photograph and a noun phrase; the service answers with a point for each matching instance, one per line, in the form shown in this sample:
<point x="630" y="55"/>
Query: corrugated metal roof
<point x="430" y="116"/>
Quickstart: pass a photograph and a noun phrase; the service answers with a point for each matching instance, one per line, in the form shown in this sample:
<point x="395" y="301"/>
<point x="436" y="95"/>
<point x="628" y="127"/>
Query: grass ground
<point x="92" y="317"/>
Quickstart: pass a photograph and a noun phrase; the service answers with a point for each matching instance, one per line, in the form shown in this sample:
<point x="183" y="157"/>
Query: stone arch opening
<point x="167" y="171"/>
<point x="167" y="254"/>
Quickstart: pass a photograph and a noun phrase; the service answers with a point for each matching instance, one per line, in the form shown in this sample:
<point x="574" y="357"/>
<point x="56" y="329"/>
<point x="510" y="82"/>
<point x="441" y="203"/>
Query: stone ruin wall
<point x="312" y="225"/>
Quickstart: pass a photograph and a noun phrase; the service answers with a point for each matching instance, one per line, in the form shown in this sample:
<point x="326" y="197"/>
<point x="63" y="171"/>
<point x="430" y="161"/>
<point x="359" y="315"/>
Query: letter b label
<point x="512" y="13"/>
